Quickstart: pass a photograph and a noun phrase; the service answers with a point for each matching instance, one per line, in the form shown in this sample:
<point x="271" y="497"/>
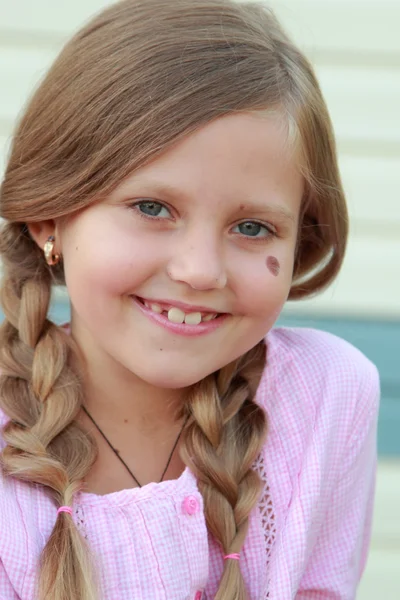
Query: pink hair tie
<point x="66" y="509"/>
<point x="233" y="556"/>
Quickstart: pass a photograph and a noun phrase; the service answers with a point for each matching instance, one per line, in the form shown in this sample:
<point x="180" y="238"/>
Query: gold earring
<point x="51" y="259"/>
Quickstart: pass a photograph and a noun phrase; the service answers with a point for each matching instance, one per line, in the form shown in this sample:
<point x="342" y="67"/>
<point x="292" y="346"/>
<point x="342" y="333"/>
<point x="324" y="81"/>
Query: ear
<point x="41" y="231"/>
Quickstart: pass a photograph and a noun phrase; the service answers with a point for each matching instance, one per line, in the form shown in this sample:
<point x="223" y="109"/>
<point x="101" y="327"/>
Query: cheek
<point x="262" y="293"/>
<point x="111" y="264"/>
<point x="101" y="269"/>
<point x="273" y="265"/>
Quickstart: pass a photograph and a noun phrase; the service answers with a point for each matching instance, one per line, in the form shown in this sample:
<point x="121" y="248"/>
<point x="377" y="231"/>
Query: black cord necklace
<point x="116" y="452"/>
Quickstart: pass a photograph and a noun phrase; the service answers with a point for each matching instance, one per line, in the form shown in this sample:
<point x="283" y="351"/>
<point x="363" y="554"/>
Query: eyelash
<point x="271" y="231"/>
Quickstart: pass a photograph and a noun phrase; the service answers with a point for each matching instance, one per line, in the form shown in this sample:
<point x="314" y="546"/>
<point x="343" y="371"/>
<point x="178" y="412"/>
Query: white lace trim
<point x="80" y="520"/>
<point x="267" y="514"/>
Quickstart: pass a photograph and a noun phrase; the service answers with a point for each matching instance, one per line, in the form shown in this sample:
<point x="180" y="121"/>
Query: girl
<point x="176" y="171"/>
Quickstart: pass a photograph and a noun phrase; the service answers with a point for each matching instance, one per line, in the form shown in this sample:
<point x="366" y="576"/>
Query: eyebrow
<point x="170" y="192"/>
<point x="279" y="211"/>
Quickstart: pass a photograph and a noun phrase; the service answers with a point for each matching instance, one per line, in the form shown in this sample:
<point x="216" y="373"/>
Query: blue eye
<point x="150" y="208"/>
<point x="253" y="229"/>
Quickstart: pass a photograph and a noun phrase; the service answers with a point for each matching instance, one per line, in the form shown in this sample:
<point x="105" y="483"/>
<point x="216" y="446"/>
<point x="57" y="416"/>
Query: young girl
<point x="176" y="171"/>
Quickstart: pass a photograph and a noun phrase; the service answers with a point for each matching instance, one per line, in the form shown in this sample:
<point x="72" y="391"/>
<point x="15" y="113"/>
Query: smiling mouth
<point x="177" y="315"/>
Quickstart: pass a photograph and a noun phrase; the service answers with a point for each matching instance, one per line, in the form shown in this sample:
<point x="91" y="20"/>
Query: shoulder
<point x="321" y="397"/>
<point x="317" y="349"/>
<point x="317" y="355"/>
<point x="322" y="371"/>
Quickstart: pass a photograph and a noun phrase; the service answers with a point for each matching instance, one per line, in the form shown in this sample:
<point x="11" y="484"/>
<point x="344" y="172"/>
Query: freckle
<point x="125" y="420"/>
<point x="273" y="265"/>
<point x="76" y="248"/>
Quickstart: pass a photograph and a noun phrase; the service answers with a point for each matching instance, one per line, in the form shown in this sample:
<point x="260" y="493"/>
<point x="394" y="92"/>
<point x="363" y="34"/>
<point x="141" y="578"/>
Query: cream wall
<point x="355" y="46"/>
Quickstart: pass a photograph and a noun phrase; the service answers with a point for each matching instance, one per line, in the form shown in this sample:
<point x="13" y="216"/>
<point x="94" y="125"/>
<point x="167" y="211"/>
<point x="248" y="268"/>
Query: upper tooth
<point x="208" y="317"/>
<point x="193" y="318"/>
<point x="156" y="308"/>
<point x="176" y="315"/>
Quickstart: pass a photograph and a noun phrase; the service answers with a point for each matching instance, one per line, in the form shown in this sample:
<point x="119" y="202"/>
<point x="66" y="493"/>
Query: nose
<point x="198" y="261"/>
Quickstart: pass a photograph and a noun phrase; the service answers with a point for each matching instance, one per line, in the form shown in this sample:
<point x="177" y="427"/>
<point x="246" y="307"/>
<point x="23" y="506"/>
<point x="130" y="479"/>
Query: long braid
<point x="220" y="445"/>
<point x="40" y="390"/>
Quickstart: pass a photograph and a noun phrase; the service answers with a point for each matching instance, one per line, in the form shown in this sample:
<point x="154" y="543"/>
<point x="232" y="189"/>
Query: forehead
<point x="235" y="156"/>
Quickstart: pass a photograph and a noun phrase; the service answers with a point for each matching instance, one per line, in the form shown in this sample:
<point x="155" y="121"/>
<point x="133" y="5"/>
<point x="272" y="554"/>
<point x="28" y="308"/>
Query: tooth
<point x="209" y="317"/>
<point x="175" y="315"/>
<point x="193" y="318"/>
<point x="156" y="308"/>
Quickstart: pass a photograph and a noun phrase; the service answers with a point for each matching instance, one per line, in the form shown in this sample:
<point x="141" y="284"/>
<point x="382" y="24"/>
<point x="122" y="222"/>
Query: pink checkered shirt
<point x="309" y="535"/>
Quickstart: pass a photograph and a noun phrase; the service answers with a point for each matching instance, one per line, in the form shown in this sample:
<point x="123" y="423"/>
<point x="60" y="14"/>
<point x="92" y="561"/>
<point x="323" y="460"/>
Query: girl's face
<point x="209" y="228"/>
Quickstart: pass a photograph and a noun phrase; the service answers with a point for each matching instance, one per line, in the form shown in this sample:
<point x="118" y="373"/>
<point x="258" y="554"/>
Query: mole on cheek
<point x="273" y="265"/>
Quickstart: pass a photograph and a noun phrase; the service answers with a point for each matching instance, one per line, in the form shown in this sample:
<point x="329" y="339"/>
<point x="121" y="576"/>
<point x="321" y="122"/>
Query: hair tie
<point x="233" y="556"/>
<point x="66" y="509"/>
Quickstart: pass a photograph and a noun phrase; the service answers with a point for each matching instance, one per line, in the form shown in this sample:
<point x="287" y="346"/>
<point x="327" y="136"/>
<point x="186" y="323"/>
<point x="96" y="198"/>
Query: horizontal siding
<point x="387" y="523"/>
<point x="20" y="71"/>
<point x="355" y="47"/>
<point x="343" y="26"/>
<point x="368" y="283"/>
<point x="364" y="103"/>
<point x="372" y="186"/>
<point x="381" y="578"/>
<point x="4" y="146"/>
<point x="47" y="16"/>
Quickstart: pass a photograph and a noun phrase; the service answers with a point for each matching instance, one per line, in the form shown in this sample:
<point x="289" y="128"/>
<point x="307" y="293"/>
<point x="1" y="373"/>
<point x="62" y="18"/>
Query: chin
<point x="172" y="379"/>
<point x="171" y="382"/>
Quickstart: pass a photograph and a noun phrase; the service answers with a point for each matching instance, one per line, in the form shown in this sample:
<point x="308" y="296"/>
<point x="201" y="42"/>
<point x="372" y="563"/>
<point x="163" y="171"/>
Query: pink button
<point x="198" y="595"/>
<point x="190" y="507"/>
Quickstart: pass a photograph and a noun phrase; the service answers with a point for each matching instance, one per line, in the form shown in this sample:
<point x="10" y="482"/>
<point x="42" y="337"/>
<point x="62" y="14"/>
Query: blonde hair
<point x="138" y="77"/>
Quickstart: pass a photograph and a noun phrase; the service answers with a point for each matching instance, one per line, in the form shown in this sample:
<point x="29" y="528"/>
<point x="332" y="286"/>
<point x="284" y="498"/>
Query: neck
<point x="118" y="397"/>
<point x="142" y="423"/>
<point x="132" y="401"/>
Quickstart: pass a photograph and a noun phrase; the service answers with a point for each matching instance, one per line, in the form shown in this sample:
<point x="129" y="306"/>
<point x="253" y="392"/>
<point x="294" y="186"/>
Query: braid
<point x="40" y="390"/>
<point x="220" y="445"/>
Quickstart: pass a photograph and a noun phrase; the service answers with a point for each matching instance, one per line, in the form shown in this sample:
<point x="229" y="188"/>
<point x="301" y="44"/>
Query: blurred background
<point x="355" y="48"/>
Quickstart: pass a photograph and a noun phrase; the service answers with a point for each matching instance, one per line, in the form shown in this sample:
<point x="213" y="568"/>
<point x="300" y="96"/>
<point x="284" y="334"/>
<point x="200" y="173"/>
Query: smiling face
<point x="189" y="233"/>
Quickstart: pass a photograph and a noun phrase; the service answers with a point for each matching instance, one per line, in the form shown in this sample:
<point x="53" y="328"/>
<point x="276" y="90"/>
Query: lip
<point x="187" y="308"/>
<point x="181" y="328"/>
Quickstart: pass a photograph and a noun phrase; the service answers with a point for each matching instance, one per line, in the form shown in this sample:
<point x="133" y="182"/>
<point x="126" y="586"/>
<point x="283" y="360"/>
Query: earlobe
<point x="41" y="231"/>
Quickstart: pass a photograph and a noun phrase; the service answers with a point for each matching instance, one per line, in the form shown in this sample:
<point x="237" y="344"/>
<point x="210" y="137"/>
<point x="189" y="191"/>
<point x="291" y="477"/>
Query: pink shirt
<point x="309" y="535"/>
